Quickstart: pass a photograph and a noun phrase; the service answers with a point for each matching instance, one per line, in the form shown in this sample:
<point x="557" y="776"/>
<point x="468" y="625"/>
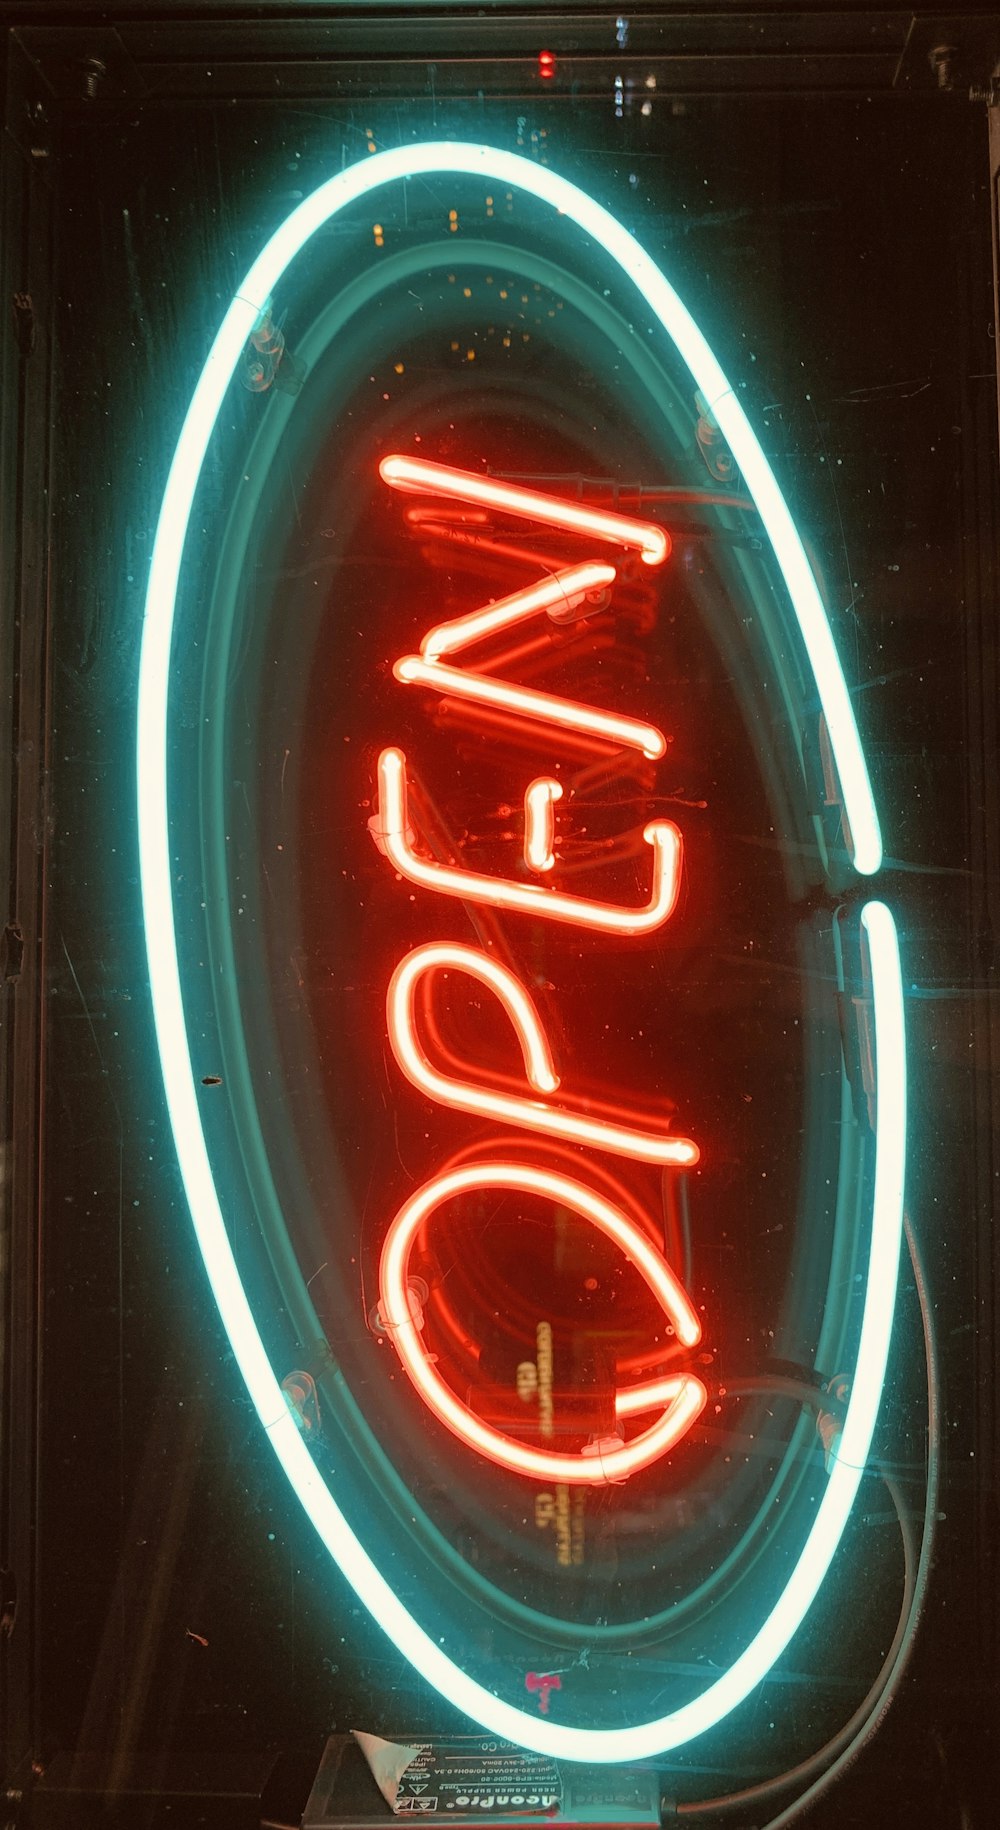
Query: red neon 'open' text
<point x="678" y="1397"/>
<point x="392" y="829"/>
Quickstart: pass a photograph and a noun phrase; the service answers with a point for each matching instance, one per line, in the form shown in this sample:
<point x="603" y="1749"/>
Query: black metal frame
<point x="152" y="49"/>
<point x="26" y="363"/>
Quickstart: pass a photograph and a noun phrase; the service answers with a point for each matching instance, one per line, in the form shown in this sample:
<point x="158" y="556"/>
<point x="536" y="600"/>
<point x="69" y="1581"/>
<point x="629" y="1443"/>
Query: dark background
<point x="843" y="202"/>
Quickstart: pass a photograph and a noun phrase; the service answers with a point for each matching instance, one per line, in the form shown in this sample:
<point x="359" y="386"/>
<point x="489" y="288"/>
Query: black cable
<point x="845" y="1746"/>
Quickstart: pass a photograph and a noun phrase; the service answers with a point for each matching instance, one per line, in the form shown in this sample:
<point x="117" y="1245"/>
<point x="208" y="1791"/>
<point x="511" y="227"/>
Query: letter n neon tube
<point x="653" y="542"/>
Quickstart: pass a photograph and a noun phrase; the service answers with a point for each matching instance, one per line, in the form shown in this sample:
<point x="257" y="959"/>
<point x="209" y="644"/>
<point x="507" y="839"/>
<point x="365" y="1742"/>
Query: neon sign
<point x="683" y="1396"/>
<point x="418" y="1636"/>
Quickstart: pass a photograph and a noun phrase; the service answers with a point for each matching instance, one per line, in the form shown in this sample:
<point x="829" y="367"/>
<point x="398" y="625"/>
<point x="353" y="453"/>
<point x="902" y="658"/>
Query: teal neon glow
<point x="704" y="1711"/>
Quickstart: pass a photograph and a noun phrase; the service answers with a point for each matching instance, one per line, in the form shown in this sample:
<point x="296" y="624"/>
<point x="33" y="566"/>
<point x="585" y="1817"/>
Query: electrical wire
<point x="824" y="1767"/>
<point x="840" y="1752"/>
<point x="781" y="1385"/>
<point x="796" y="1775"/>
<point x="893" y="1682"/>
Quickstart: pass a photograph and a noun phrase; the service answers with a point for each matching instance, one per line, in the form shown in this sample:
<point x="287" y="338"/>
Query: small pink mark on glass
<point x="543" y="1682"/>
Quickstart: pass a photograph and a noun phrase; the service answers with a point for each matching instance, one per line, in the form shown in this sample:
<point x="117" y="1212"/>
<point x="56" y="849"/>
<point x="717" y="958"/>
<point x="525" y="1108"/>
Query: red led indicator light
<point x="546" y="65"/>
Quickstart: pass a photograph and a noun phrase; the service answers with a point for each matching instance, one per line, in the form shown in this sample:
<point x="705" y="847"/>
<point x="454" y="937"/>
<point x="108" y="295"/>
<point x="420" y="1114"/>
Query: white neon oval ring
<point x="466" y="1693"/>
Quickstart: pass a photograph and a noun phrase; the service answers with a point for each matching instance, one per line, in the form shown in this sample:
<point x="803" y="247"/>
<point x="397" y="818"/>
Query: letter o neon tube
<point x="683" y="1396"/>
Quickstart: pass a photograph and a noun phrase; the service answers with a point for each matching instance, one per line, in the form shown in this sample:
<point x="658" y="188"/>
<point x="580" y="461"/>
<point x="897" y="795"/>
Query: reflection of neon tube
<point x="424" y="1648"/>
<point x="511" y="1109"/>
<point x="683" y="1397"/>
<point x="463" y="528"/>
<point x="540" y="797"/>
<point x="563" y="589"/>
<point x="457" y="715"/>
<point x="391" y="831"/>
<point x="545" y="707"/>
<point x="440" y="480"/>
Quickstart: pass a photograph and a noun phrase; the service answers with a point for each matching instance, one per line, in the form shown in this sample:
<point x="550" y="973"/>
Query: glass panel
<point x="534" y="1083"/>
